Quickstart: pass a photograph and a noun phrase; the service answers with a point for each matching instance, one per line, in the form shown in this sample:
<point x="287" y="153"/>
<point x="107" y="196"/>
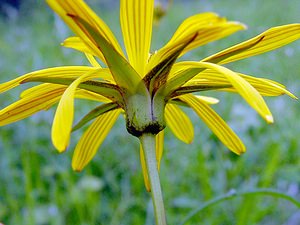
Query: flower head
<point x="148" y="88"/>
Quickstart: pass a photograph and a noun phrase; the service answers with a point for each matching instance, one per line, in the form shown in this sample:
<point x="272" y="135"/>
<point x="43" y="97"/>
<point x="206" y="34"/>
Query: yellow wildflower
<point x="149" y="90"/>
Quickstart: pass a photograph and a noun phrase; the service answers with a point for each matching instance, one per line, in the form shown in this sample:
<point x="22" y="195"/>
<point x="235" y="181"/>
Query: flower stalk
<point x="148" y="142"/>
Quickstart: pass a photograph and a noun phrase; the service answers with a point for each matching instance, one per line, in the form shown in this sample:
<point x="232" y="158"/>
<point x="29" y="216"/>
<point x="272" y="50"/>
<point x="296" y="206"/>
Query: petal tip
<point x="240" y="151"/>
<point x="245" y="27"/>
<point x="293" y="96"/>
<point x="76" y="169"/>
<point x="60" y="146"/>
<point x="269" y="119"/>
<point x="241" y="25"/>
<point x="76" y="165"/>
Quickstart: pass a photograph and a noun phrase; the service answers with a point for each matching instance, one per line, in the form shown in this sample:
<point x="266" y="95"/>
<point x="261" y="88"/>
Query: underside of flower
<point x="145" y="114"/>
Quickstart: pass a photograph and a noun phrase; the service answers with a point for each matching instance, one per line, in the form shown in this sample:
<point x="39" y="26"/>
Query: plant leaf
<point x="234" y="194"/>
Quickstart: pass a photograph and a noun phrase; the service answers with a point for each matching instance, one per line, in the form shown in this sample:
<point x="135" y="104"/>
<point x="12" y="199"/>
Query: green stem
<point x="148" y="143"/>
<point x="233" y="194"/>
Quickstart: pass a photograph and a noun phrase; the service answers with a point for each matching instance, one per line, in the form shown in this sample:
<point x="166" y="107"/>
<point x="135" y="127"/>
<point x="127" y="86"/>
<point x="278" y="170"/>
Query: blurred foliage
<point x="38" y="186"/>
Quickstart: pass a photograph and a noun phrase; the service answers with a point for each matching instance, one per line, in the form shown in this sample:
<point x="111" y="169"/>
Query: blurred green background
<point x="38" y="186"/>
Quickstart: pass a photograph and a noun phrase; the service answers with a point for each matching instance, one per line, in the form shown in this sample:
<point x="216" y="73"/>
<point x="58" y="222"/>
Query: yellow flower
<point x="148" y="88"/>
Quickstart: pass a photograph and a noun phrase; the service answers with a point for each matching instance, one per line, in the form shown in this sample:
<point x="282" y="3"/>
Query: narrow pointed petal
<point x="108" y="90"/>
<point x="215" y="123"/>
<point x="179" y="123"/>
<point x="136" y="23"/>
<point x="249" y="93"/>
<point x="98" y="111"/>
<point x="42" y="89"/>
<point x="63" y="119"/>
<point x="65" y="71"/>
<point x="212" y="30"/>
<point x="269" y="40"/>
<point x="64" y="8"/>
<point x="209" y="29"/>
<point x="264" y="86"/>
<point x="84" y="94"/>
<point x="208" y="100"/>
<point x="159" y="143"/>
<point x="80" y="93"/>
<point x="30" y="104"/>
<point x="77" y="44"/>
<point x="144" y="169"/>
<point x="91" y="140"/>
<point x="159" y="147"/>
<point x="92" y="60"/>
<point x="66" y="75"/>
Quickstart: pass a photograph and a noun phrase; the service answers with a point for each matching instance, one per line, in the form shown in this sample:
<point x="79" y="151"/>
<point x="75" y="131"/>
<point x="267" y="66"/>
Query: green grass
<point x="38" y="186"/>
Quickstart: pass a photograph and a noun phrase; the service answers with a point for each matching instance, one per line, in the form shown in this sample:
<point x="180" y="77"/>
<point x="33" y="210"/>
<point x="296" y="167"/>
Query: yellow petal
<point x="80" y="93"/>
<point x="273" y="38"/>
<point x="144" y="169"/>
<point x="93" y="137"/>
<point x="84" y="94"/>
<point x="92" y="60"/>
<point x="215" y="123"/>
<point x="94" y="113"/>
<point x="63" y="119"/>
<point x="159" y="143"/>
<point x="179" y="123"/>
<point x="64" y="72"/>
<point x="30" y="104"/>
<point x="264" y="86"/>
<point x="136" y="22"/>
<point x="208" y="100"/>
<point x="41" y="89"/>
<point x="249" y="93"/>
<point x="77" y="44"/>
<point x="208" y="27"/>
<point x="65" y="8"/>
